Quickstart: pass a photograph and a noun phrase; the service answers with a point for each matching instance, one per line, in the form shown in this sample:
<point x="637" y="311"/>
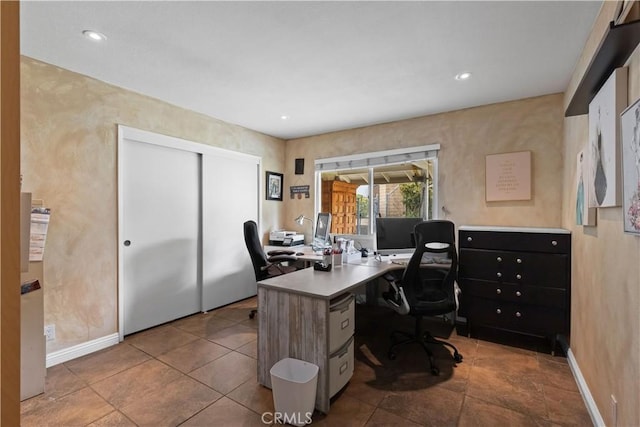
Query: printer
<point x="285" y="238"/>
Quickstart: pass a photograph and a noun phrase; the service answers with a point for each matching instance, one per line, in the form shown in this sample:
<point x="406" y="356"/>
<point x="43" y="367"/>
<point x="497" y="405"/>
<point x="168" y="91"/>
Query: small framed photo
<point x="274" y="186"/>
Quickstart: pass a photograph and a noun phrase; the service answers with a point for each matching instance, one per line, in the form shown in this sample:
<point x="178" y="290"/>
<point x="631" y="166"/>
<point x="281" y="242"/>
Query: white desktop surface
<point x="327" y="284"/>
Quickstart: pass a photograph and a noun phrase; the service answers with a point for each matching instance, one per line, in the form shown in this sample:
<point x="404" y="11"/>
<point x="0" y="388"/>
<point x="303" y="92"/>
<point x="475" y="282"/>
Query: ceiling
<point x="327" y="66"/>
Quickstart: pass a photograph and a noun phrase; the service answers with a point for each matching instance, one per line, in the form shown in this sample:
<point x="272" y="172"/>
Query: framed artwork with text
<point x="508" y="176"/>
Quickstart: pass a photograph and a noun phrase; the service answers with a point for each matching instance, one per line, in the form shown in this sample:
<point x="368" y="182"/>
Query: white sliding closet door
<point x="181" y="245"/>
<point x="227" y="272"/>
<point x="159" y="233"/>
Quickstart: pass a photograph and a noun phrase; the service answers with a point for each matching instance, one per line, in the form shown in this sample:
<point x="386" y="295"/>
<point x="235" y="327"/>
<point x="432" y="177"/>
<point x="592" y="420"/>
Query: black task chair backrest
<point x="258" y="257"/>
<point x="431" y="290"/>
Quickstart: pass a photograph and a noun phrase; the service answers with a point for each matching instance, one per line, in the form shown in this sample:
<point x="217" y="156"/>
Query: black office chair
<point x="426" y="290"/>
<point x="267" y="265"/>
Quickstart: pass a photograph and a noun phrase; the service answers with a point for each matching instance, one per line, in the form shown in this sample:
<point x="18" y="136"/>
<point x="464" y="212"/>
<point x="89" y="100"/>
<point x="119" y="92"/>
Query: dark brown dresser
<point x="515" y="279"/>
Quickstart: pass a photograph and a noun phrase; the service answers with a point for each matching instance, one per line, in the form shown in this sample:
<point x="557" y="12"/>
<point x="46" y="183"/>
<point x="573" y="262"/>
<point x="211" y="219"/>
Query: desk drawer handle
<point x="344" y="367"/>
<point x="518" y="294"/>
<point x="554" y="243"/>
<point x="345" y="323"/>
<point x="499" y="274"/>
<point x="518" y="276"/>
<point x="469" y="239"/>
<point x="519" y="260"/>
<point x="499" y="259"/>
<point x="498" y="311"/>
<point x="518" y="314"/>
<point x="498" y="291"/>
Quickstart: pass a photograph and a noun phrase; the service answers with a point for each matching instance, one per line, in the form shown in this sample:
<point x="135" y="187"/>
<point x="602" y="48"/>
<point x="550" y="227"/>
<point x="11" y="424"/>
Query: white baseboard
<point x="85" y="348"/>
<point x="596" y="418"/>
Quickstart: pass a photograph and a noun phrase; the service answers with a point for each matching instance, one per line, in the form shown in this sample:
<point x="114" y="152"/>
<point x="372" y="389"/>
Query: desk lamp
<point x="300" y="220"/>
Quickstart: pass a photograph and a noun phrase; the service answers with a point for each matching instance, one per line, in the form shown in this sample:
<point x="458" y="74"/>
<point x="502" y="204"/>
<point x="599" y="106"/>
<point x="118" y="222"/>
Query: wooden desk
<point x="294" y="316"/>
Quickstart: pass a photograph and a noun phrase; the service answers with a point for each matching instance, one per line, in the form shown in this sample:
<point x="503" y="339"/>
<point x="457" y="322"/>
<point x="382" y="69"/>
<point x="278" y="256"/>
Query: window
<point x="395" y="183"/>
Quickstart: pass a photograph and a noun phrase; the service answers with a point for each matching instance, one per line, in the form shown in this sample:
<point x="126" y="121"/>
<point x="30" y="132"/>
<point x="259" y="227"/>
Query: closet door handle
<point x="499" y="259"/>
<point x="499" y="274"/>
<point x="127" y="242"/>
<point x="498" y="291"/>
<point x="518" y="276"/>
<point x="518" y="314"/>
<point x="518" y="293"/>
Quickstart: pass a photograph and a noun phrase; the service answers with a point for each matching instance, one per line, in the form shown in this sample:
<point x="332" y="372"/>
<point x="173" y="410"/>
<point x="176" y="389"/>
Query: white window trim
<point x="370" y="161"/>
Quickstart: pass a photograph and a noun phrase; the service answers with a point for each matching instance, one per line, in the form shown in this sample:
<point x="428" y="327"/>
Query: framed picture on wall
<point x="508" y="176"/>
<point x="630" y="130"/>
<point x="274" y="186"/>
<point x="584" y="214"/>
<point x="605" y="188"/>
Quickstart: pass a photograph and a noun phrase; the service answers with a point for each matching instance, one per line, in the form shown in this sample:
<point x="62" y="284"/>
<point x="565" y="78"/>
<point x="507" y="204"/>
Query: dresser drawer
<point x="515" y="241"/>
<point x="519" y="294"/>
<point x="546" y="270"/>
<point x="341" y="321"/>
<point x="340" y="367"/>
<point x="531" y="319"/>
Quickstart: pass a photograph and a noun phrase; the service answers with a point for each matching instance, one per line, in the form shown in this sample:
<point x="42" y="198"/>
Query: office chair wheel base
<point x="457" y="357"/>
<point x="435" y="371"/>
<point x="391" y="355"/>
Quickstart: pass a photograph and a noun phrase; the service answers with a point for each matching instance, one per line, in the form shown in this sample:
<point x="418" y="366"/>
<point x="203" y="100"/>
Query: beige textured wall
<point x="465" y="137"/>
<point x="605" y="318"/>
<point x="69" y="154"/>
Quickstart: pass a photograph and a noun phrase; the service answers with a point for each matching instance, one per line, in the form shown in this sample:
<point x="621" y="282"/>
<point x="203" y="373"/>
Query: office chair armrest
<point x="280" y="252"/>
<point x="395" y="297"/>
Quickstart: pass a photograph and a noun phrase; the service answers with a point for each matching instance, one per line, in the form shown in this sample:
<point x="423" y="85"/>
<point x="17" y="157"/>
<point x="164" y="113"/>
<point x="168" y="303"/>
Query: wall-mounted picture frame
<point x="274" y="186"/>
<point x="604" y="179"/>
<point x="508" y="176"/>
<point x="585" y="215"/>
<point x="630" y="136"/>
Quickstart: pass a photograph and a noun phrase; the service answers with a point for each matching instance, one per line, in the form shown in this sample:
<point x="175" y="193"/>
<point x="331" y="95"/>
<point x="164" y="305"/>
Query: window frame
<point x="372" y="160"/>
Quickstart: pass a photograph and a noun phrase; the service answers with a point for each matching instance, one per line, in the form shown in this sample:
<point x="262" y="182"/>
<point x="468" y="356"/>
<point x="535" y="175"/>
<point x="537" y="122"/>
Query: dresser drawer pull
<point x="499" y="259"/>
<point x="499" y="274"/>
<point x="518" y="294"/>
<point x="519" y="260"/>
<point x="554" y="243"/>
<point x="498" y="291"/>
<point x="518" y="276"/>
<point x="498" y="311"/>
<point x="518" y="314"/>
<point x="469" y="239"/>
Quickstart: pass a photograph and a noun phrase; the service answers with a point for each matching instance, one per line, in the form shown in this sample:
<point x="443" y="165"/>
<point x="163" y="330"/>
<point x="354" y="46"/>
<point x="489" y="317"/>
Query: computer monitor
<point x="323" y="226"/>
<point x="395" y="235"/>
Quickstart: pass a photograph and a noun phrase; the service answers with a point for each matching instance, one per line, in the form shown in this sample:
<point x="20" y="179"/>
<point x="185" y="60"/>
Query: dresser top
<point x="513" y="229"/>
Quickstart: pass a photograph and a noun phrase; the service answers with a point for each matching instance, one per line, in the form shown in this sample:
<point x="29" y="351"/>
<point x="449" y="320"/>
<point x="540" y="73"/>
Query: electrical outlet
<point x="614" y="411"/>
<point x="50" y="332"/>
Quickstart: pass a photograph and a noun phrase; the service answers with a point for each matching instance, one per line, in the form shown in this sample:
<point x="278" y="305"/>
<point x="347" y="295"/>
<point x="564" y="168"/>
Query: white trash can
<point x="293" y="383"/>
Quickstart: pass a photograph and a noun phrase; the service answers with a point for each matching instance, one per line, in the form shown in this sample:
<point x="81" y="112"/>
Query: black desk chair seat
<point x="426" y="290"/>
<point x="274" y="263"/>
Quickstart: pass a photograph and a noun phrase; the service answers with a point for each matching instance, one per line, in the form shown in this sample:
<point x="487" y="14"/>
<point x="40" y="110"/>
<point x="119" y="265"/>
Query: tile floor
<point x="201" y="371"/>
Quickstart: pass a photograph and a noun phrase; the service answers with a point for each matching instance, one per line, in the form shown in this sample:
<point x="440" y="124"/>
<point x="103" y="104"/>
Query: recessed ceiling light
<point x="284" y="117"/>
<point x="463" y="76"/>
<point x="94" y="35"/>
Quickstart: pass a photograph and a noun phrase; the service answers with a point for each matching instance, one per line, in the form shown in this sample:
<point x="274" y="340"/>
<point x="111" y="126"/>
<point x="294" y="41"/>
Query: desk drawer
<point x="341" y="321"/>
<point x="546" y="270"/>
<point x="531" y="319"/>
<point x="519" y="294"/>
<point x="340" y="367"/>
<point x="515" y="241"/>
